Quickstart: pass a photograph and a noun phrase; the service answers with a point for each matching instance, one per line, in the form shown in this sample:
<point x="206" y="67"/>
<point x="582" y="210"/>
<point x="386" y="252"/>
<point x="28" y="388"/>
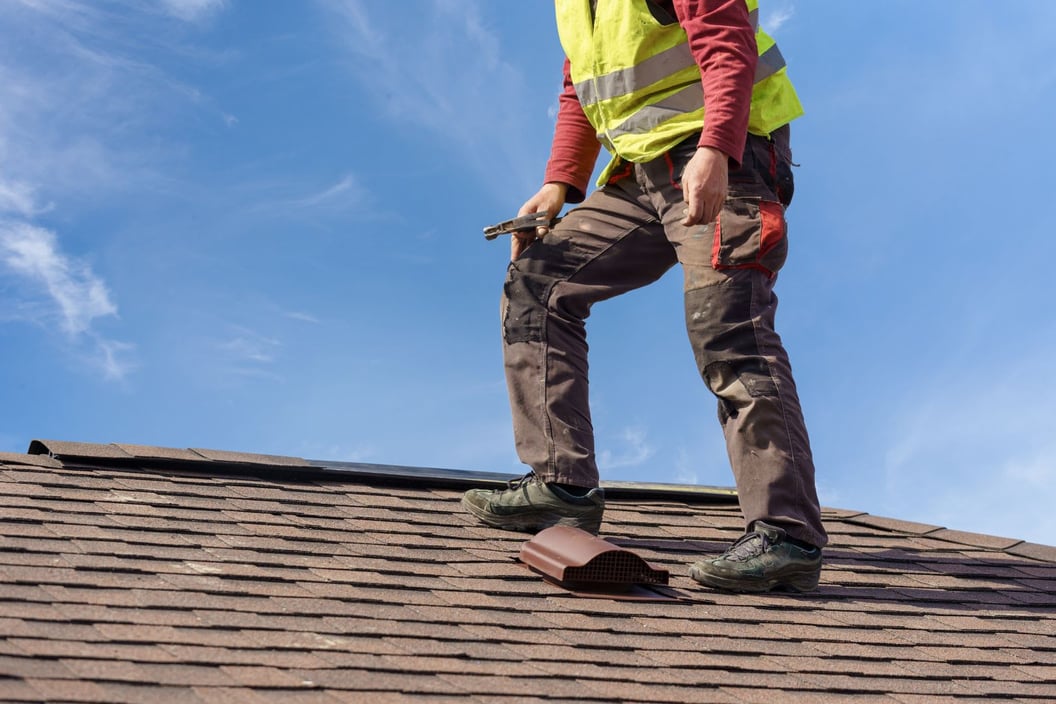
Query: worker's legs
<point x="625" y="236"/>
<point x="729" y="270"/>
<point x="610" y="244"/>
<point x="742" y="360"/>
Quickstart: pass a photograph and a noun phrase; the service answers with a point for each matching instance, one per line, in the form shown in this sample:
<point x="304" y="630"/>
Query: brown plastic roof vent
<point x="574" y="557"/>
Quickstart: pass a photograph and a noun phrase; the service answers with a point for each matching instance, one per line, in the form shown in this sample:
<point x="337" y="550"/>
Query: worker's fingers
<point x="707" y="213"/>
<point x="704" y="185"/>
<point x="712" y="210"/>
<point x="693" y="213"/>
<point x="519" y="242"/>
<point x="550" y="199"/>
<point x="702" y="213"/>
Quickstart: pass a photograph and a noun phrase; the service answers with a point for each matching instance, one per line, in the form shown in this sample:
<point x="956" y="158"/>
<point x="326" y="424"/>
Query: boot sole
<point x="803" y="582"/>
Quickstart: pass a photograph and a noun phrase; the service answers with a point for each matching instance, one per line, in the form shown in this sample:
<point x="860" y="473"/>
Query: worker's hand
<point x="704" y="184"/>
<point x="551" y="197"/>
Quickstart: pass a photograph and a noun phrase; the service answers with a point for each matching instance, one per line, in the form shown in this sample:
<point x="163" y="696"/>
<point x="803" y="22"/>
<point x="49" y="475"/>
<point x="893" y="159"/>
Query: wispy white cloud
<point x="369" y="43"/>
<point x="18" y="198"/>
<point x="84" y="100"/>
<point x="58" y="287"/>
<point x="284" y="199"/>
<point x="63" y="109"/>
<point x="346" y="191"/>
<point x="79" y="296"/>
<point x="303" y="317"/>
<point x="775" y="16"/>
<point x="193" y="10"/>
<point x="455" y="85"/>
<point x="248" y="346"/>
<point x="80" y="113"/>
<point x="114" y="358"/>
<point x="633" y="451"/>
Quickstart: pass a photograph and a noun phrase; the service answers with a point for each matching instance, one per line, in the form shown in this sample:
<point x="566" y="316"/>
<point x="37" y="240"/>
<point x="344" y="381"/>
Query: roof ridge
<point x="199" y="459"/>
<point x="194" y="459"/>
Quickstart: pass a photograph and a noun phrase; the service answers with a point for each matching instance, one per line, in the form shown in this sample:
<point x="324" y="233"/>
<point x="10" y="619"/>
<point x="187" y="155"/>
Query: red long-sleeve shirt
<point x="723" y="42"/>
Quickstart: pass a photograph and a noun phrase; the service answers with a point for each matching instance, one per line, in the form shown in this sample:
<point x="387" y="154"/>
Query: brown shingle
<point x="1034" y="551"/>
<point x="31" y="668"/>
<point x="173" y="582"/>
<point x="68" y="690"/>
<point x="64" y="449"/>
<point x="94" y="650"/>
<point x="250" y="458"/>
<point x="891" y="524"/>
<point x="15" y="459"/>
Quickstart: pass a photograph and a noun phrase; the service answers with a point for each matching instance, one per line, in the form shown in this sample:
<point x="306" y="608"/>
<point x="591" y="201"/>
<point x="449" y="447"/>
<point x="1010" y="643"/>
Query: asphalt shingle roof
<point x="138" y="574"/>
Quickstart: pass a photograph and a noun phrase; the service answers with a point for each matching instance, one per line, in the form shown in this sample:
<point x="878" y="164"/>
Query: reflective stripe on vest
<point x="651" y="116"/>
<point x="628" y="80"/>
<point x="770" y="62"/>
<point x="660" y="66"/>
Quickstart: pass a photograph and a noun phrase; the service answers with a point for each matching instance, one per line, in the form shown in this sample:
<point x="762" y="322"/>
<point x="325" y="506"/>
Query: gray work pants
<point x="627" y="234"/>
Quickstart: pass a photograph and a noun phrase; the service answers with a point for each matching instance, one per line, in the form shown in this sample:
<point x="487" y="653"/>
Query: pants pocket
<point x="750" y="233"/>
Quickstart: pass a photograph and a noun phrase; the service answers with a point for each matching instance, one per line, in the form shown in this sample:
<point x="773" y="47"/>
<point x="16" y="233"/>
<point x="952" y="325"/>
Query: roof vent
<point x="575" y="558"/>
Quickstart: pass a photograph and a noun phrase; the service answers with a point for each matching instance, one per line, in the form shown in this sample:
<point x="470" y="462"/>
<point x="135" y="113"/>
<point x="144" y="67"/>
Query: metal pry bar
<point x="519" y="224"/>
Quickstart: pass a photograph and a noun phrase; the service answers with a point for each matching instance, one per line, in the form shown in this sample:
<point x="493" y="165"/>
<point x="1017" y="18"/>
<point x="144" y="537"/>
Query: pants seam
<point x="761" y="349"/>
<point x="551" y="443"/>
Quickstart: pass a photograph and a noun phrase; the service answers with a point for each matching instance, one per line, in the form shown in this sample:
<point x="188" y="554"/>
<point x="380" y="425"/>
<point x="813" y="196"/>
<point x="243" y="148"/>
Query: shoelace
<point x="748" y="546"/>
<point x="515" y="483"/>
<point x="521" y="481"/>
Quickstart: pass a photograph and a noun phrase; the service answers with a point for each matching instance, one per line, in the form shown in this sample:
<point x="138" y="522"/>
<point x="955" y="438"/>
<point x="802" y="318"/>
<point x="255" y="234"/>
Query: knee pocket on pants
<point x="738" y="383"/>
<point x="524" y="309"/>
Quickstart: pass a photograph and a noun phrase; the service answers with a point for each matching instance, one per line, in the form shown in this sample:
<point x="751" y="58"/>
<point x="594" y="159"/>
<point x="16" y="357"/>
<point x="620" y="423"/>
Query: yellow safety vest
<point x="639" y="84"/>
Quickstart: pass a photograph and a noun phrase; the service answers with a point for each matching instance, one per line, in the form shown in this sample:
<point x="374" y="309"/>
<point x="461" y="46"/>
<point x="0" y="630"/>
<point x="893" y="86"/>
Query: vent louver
<point x="575" y="557"/>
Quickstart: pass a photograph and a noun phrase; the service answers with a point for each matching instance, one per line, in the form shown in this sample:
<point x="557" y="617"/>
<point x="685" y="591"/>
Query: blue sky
<point x="257" y="226"/>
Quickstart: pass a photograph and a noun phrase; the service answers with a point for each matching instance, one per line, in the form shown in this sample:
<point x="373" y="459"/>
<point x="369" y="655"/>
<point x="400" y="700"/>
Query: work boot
<point x="762" y="560"/>
<point x="530" y="504"/>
